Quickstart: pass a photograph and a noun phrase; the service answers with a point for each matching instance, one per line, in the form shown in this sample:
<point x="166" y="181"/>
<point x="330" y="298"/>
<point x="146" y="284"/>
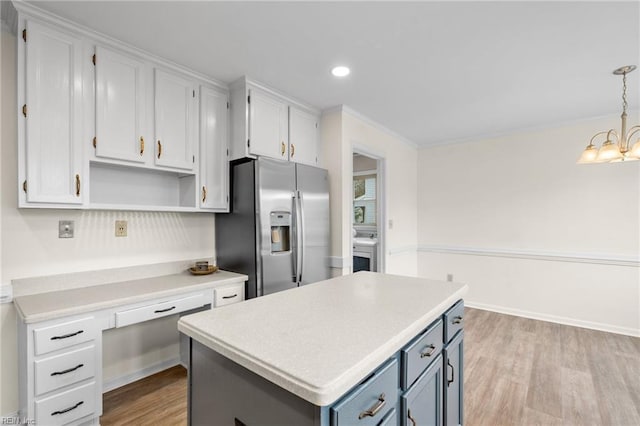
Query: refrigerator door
<point x="276" y="225"/>
<point x="313" y="194"/>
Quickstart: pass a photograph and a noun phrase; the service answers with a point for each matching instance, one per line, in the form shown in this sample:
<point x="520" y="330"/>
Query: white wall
<point x="517" y="220"/>
<point x="30" y="247"/>
<point x="344" y="129"/>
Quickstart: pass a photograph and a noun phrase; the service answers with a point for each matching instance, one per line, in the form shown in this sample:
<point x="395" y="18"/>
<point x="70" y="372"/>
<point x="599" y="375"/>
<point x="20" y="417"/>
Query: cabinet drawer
<point x="59" y="336"/>
<point x="453" y="320"/>
<point x="66" y="407"/>
<point x="65" y="369"/>
<point x="161" y="309"/>
<point x="370" y="401"/>
<point x="229" y="294"/>
<point x="422" y="403"/>
<point x="417" y="356"/>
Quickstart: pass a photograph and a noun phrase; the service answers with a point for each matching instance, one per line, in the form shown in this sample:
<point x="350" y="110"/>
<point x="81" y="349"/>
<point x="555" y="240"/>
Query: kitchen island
<point x="360" y="348"/>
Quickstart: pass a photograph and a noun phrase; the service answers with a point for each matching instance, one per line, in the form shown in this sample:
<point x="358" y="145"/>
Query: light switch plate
<point x="65" y="229"/>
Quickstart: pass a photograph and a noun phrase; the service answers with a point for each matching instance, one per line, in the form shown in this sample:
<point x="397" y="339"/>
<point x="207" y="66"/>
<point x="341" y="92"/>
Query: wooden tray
<point x="211" y="270"/>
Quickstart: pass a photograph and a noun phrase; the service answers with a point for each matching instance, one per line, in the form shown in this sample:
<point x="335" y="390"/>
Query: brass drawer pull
<point x="457" y="320"/>
<point x="66" y="410"/>
<point x="293" y="150"/>
<point x="430" y="352"/>
<point x="66" y="336"/>
<point x="60" y="373"/>
<point x="375" y="409"/>
<point x="453" y="374"/>
<point x="77" y="185"/>
<point x="159" y="149"/>
<point x="141" y="145"/>
<point x="282" y="148"/>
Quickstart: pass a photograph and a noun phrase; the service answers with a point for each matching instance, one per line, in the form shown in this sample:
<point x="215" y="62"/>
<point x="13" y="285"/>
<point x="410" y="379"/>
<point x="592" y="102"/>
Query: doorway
<point x="367" y="212"/>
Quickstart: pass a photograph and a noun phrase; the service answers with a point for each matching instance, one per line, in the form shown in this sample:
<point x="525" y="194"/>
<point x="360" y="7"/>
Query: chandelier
<point x="621" y="149"/>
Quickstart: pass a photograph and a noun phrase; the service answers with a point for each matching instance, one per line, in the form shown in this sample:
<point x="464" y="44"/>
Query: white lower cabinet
<point x="228" y="295"/>
<point x="68" y="406"/>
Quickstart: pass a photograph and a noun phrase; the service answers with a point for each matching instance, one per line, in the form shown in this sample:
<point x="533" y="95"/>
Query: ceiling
<point x="432" y="72"/>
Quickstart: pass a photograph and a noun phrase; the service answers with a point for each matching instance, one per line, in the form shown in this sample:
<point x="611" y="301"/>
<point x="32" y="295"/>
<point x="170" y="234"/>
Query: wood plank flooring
<point x="517" y="372"/>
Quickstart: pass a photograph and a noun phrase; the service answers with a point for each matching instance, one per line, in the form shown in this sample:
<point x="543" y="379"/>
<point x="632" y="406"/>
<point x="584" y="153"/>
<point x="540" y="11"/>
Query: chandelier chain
<point x="624" y="93"/>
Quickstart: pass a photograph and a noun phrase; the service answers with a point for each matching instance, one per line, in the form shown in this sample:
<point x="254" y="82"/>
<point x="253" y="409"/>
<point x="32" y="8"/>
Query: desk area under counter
<point x="60" y="335"/>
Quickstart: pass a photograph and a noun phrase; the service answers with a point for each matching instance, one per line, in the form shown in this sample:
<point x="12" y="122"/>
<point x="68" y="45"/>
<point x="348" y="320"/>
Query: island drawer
<point x="370" y="401"/>
<point x="228" y="294"/>
<point x="65" y="369"/>
<point x="64" y="335"/>
<point x="453" y="320"/>
<point x="66" y="407"/>
<point x="419" y="354"/>
<point x="161" y="309"/>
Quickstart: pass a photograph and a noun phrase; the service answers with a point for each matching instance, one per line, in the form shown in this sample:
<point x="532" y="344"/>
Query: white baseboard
<point x="140" y="374"/>
<point x="13" y="415"/>
<point x="628" y="331"/>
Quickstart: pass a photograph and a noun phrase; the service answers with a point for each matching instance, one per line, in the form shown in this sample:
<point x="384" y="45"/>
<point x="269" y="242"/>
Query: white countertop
<point x="320" y="340"/>
<point x="56" y="304"/>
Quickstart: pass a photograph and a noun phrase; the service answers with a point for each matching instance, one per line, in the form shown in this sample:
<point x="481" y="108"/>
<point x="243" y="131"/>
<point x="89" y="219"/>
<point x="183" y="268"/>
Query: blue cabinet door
<point x="453" y="366"/>
<point x="422" y="403"/>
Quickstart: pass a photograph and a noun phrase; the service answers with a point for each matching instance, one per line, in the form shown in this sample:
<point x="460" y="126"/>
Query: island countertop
<point x="320" y="340"/>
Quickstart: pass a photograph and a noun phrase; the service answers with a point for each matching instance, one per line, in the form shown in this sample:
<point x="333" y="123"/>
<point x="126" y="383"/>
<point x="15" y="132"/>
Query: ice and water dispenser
<point x="280" y="231"/>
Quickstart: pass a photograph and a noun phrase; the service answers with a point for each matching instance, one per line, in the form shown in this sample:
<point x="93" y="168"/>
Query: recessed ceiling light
<point x="340" y="71"/>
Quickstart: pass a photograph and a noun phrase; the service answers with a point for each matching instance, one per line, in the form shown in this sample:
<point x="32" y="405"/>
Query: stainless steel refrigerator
<point x="277" y="231"/>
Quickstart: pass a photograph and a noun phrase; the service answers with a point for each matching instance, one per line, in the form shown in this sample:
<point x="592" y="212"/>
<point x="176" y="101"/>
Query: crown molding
<point x="9" y="17"/>
<point x="344" y="109"/>
<point x="108" y="41"/>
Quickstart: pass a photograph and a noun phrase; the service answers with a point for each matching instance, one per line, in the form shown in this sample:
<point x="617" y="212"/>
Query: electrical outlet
<point x="65" y="229"/>
<point x="121" y="228"/>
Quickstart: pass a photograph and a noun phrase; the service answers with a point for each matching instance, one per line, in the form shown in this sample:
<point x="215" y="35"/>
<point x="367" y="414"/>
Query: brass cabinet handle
<point x="77" y="185"/>
<point x="282" y="147"/>
<point x="375" y="409"/>
<point x="413" y="421"/>
<point x="159" y="148"/>
<point x="204" y="194"/>
<point x="141" y="145"/>
<point x="293" y="150"/>
<point x="432" y="348"/>
<point x="457" y="320"/>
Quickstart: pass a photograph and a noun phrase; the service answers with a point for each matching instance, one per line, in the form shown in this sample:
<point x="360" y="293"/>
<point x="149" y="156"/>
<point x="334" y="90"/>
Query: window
<point x="364" y="199"/>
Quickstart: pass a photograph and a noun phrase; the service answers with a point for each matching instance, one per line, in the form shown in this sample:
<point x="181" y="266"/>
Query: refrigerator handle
<point x="301" y="237"/>
<point x="294" y="237"/>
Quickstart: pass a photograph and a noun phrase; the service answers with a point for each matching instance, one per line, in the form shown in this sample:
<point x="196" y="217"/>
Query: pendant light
<point x="621" y="149"/>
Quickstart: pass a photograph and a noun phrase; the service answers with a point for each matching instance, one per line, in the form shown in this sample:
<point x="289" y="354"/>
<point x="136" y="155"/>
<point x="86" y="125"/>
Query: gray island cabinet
<point x="362" y="349"/>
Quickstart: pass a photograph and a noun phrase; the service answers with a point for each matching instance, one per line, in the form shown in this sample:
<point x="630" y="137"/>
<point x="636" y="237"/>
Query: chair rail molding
<point x="540" y="255"/>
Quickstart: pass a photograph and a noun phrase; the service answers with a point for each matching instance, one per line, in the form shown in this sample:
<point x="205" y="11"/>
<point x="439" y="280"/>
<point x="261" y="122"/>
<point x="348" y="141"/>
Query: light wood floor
<point x="517" y="372"/>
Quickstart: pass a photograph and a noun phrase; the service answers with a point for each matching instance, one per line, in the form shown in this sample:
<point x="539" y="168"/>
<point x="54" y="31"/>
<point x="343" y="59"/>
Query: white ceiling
<point x="432" y="72"/>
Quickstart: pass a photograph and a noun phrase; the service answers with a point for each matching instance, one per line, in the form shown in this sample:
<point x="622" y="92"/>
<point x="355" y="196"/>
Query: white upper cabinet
<point x="176" y="120"/>
<point x="51" y="94"/>
<point x="120" y="107"/>
<point x="266" y="123"/>
<point x="303" y="136"/>
<point x="214" y="164"/>
<point x="268" y="133"/>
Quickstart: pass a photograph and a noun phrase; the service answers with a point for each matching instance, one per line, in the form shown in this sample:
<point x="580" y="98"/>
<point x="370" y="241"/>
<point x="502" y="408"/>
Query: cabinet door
<point x="214" y="166"/>
<point x="268" y="126"/>
<point x="422" y="403"/>
<point x="453" y="399"/>
<point x="175" y="120"/>
<point x="120" y="106"/>
<point x="53" y="111"/>
<point x="303" y="137"/>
